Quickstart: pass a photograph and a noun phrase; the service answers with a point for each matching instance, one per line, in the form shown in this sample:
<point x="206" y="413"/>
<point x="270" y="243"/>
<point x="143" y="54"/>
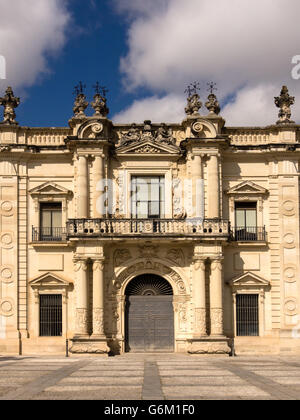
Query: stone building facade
<point x="149" y="237"/>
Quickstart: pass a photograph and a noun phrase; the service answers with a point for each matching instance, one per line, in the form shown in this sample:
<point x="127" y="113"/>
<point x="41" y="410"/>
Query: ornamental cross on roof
<point x="80" y="103"/>
<point x="212" y="104"/>
<point x="193" y="99"/>
<point x="99" y="103"/>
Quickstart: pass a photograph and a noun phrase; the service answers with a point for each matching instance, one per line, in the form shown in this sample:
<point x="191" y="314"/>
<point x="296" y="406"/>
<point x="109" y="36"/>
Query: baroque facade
<point x="149" y="237"/>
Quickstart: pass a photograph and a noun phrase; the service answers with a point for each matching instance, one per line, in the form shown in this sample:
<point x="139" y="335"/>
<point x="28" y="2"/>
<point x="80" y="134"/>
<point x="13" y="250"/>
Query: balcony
<point x="89" y="228"/>
<point x="249" y="234"/>
<point x="49" y="234"/>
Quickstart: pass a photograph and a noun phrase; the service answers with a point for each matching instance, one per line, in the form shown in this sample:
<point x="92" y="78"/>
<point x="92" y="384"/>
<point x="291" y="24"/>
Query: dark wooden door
<point x="149" y="324"/>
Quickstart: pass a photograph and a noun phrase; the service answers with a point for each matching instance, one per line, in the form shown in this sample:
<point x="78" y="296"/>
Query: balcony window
<point x="148" y="197"/>
<point x="246" y="221"/>
<point x="50" y="221"/>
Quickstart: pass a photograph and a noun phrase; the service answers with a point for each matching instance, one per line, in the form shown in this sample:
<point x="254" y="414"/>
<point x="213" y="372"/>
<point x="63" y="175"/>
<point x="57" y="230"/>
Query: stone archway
<point x="149" y="315"/>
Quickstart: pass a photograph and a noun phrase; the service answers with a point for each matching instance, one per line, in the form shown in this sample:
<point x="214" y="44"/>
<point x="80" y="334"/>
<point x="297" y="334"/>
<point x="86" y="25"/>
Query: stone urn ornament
<point x="9" y="102"/>
<point x="284" y="102"/>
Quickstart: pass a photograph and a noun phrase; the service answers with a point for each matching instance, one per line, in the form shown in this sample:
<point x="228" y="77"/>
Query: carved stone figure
<point x="284" y="102"/>
<point x="131" y="136"/>
<point x="165" y="134"/>
<point x="10" y="102"/>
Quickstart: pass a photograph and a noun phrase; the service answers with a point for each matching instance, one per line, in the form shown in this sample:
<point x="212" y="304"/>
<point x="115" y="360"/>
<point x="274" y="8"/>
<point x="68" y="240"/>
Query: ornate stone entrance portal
<point x="149" y="316"/>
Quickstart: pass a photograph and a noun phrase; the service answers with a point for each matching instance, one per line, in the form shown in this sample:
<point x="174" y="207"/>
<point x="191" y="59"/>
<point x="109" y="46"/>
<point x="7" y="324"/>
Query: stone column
<point x="216" y="298"/>
<point x="98" y="299"/>
<point x="81" y="270"/>
<point x="82" y="188"/>
<point x="198" y="187"/>
<point x="99" y="187"/>
<point x="213" y="187"/>
<point x="200" y="298"/>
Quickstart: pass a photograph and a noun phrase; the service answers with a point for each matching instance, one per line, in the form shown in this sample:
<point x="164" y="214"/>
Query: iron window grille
<point x="50" y="315"/>
<point x="247" y="320"/>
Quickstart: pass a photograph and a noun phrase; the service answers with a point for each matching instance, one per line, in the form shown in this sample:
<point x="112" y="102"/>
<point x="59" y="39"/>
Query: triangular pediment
<point x="49" y="280"/>
<point x="49" y="188"/>
<point x="248" y="187"/>
<point x="249" y="279"/>
<point x="148" y="147"/>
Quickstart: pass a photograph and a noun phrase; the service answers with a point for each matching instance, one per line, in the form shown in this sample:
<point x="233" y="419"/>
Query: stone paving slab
<point x="150" y="377"/>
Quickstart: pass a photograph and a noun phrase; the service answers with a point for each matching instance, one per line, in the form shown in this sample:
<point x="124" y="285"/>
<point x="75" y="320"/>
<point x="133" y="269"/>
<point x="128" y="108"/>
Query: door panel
<point x="150" y="323"/>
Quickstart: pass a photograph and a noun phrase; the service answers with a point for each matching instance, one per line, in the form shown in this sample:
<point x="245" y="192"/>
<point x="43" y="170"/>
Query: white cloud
<point x="244" y="46"/>
<point x="29" y="31"/>
<point x="169" y="108"/>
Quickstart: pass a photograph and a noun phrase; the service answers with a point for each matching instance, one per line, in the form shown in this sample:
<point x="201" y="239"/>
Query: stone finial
<point x="212" y="104"/>
<point x="9" y="102"/>
<point x="80" y="103"/>
<point x="193" y="100"/>
<point x="99" y="103"/>
<point x="284" y="102"/>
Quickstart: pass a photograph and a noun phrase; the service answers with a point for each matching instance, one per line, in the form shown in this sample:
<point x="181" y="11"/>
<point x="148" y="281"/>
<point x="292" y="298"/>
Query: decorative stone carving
<point x="165" y="135"/>
<point x="212" y="104"/>
<point x="121" y="256"/>
<point x="200" y="321"/>
<point x="284" y="102"/>
<point x="147" y="148"/>
<point x="9" y="102"/>
<point x="98" y="320"/>
<point x="99" y="103"/>
<point x="131" y="136"/>
<point x="193" y="100"/>
<point x="5" y="149"/>
<point x="7" y="307"/>
<point x="216" y="316"/>
<point x="80" y="103"/>
<point x="82" y="320"/>
<point x="176" y="255"/>
<point x="148" y="250"/>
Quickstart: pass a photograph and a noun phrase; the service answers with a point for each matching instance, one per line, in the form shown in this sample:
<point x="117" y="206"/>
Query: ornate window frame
<point x="250" y="283"/>
<point x="50" y="192"/>
<point x="244" y="192"/>
<point x="48" y="284"/>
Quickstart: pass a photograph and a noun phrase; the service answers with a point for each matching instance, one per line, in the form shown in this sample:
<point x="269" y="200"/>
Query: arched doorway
<point x="149" y="321"/>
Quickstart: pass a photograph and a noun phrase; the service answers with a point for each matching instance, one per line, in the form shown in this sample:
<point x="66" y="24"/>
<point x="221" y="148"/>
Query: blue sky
<point x="146" y="52"/>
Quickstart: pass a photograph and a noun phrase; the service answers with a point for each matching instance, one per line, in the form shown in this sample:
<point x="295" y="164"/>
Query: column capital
<point x="199" y="263"/>
<point x="80" y="263"/>
<point x="98" y="264"/>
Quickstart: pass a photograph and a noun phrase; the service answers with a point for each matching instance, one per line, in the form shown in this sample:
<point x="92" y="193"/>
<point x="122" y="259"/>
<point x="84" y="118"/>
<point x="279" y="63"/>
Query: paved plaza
<point x="149" y="377"/>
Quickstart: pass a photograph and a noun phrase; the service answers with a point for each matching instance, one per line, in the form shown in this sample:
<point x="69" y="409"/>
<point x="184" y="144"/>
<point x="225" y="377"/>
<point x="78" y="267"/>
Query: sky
<point x="146" y="53"/>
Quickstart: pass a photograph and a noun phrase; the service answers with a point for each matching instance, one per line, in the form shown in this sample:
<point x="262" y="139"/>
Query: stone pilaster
<point x="82" y="187"/>
<point x="98" y="299"/>
<point x="216" y="298"/>
<point x="213" y="187"/>
<point x="200" y="298"/>
<point x="81" y="270"/>
<point x="198" y="187"/>
<point x="99" y="187"/>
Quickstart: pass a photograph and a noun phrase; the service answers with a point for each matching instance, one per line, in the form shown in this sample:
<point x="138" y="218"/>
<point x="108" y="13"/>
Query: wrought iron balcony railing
<point x="249" y="234"/>
<point x="144" y="227"/>
<point x="49" y="234"/>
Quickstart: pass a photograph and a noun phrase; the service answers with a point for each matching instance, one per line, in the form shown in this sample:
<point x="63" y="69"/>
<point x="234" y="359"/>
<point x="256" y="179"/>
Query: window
<point x="246" y="221"/>
<point x="147" y="200"/>
<point x="247" y="322"/>
<point x="50" y="315"/>
<point x="50" y="221"/>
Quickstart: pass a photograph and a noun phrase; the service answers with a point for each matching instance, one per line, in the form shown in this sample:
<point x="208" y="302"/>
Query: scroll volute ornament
<point x="98" y="265"/>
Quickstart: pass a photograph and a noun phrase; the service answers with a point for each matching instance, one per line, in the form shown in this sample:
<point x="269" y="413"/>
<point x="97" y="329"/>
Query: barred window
<point x="50" y="315"/>
<point x="247" y="323"/>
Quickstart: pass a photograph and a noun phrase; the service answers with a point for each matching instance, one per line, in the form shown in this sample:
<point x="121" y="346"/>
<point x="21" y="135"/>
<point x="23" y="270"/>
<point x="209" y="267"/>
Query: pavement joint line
<point x="266" y="384"/>
<point x="37" y="386"/>
<point x="152" y="388"/>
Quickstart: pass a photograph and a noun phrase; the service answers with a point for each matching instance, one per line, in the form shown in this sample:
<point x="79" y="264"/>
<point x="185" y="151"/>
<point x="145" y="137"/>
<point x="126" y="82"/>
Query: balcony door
<point x="148" y="197"/>
<point x="51" y="221"/>
<point x="246" y="220"/>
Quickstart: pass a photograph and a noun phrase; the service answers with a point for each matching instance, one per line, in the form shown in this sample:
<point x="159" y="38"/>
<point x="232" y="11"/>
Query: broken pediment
<point x="249" y="279"/>
<point x="247" y="187"/>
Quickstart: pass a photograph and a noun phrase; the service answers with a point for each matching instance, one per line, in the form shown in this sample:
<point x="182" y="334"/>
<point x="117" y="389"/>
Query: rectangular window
<point x="247" y="323"/>
<point x="50" y="221"/>
<point x="50" y="315"/>
<point x="148" y="197"/>
<point x="246" y="221"/>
